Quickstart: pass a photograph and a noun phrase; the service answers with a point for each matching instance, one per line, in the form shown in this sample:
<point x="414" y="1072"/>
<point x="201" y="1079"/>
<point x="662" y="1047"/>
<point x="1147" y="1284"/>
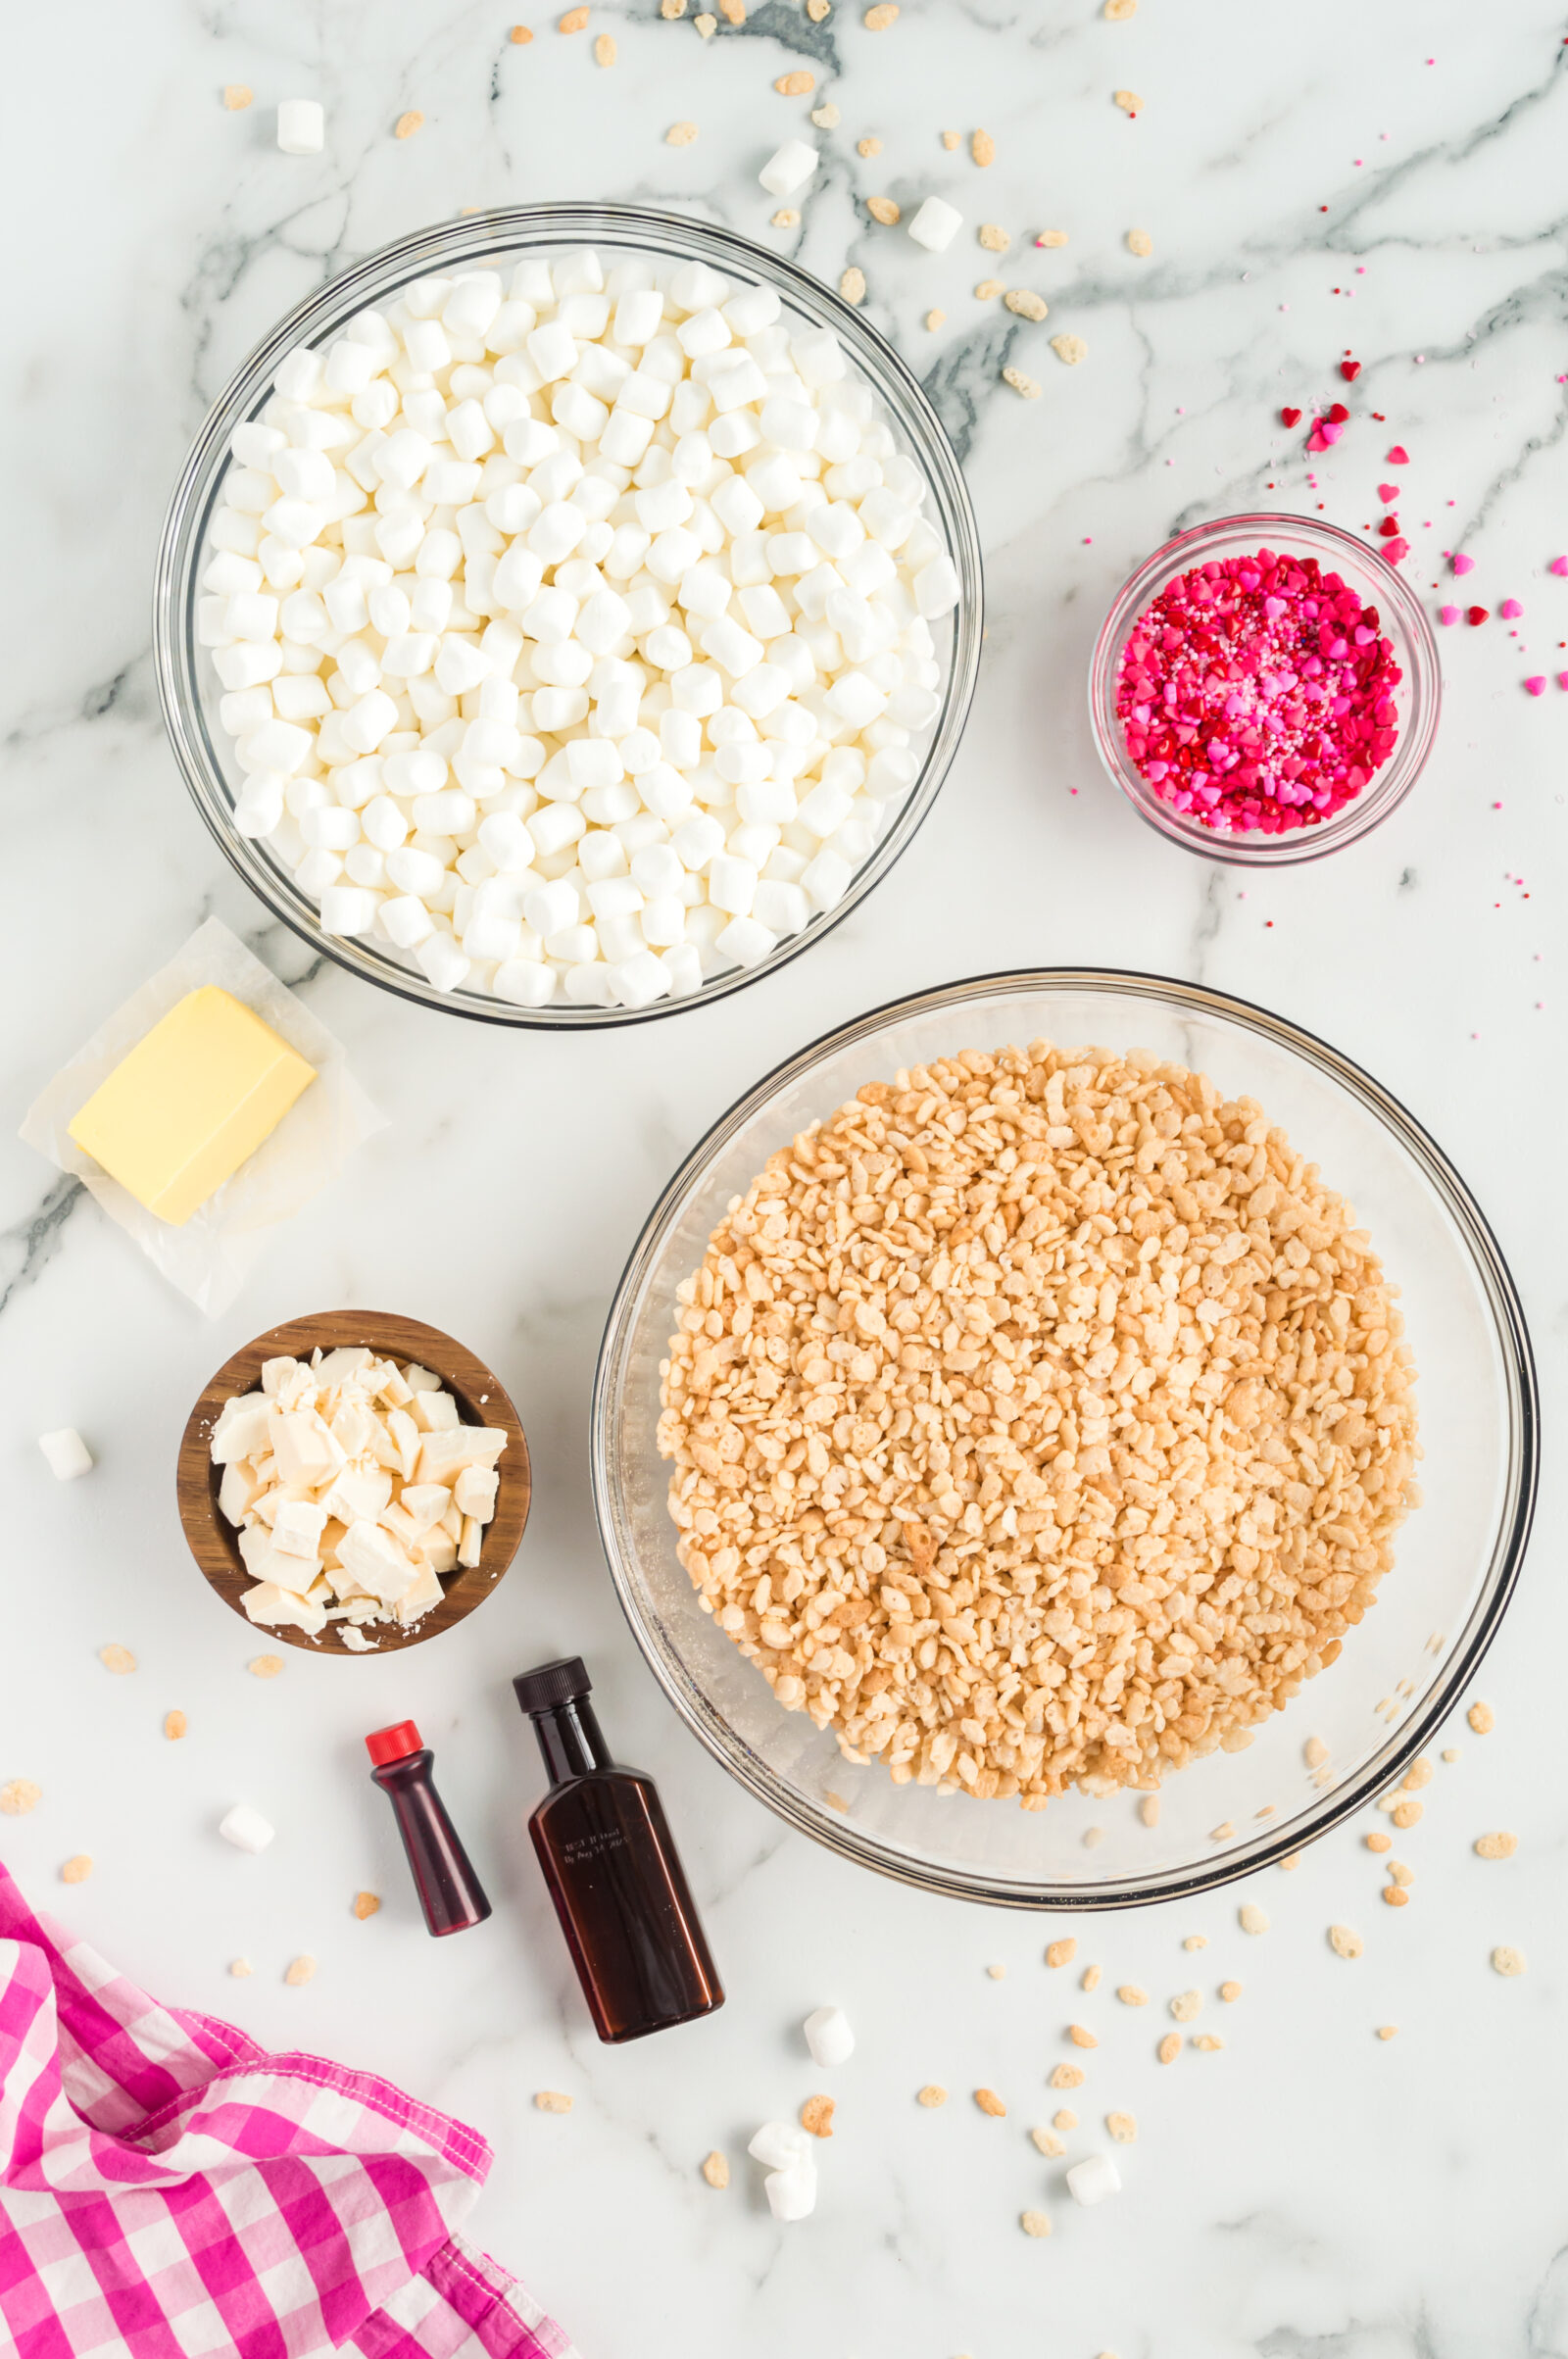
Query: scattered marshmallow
<point x="787" y="2152"/>
<point x="535" y="574"/>
<point x="301" y="127"/>
<point x="935" y="224"/>
<point x="789" y="168"/>
<point x="828" y="2035"/>
<point x="792" y="2194"/>
<point x="67" y="1454"/>
<point x="246" y="1829"/>
<point x="1093" y="2179"/>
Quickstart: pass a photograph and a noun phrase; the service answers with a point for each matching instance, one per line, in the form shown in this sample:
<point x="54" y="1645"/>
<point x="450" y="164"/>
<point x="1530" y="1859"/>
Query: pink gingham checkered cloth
<point x="168" y="2189"/>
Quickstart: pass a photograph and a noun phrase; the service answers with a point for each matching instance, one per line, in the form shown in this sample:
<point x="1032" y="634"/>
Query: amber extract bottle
<point x="613" y="1870"/>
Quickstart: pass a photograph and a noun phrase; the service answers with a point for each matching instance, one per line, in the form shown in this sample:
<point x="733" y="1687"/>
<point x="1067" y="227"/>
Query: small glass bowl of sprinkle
<point x="1266" y="689"/>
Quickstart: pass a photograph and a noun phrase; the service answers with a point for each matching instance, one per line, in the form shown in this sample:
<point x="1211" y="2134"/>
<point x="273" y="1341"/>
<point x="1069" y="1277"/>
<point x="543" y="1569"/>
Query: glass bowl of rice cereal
<point x="1066" y="1440"/>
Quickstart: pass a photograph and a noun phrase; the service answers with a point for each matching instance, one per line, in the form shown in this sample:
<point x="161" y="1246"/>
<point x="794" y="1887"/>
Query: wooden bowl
<point x="481" y="1401"/>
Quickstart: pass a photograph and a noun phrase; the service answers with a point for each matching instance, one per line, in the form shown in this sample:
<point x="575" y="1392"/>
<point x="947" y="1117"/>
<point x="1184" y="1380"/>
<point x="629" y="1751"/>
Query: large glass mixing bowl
<point x="1400" y="1672"/>
<point x="190" y="689"/>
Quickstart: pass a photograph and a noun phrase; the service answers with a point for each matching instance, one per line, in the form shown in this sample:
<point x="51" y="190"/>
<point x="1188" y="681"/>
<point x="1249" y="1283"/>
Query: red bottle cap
<point x="393" y="1743"/>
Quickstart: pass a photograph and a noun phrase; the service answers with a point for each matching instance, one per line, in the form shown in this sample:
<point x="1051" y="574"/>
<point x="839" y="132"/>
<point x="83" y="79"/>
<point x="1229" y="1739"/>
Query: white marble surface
<point x="1308" y="2191"/>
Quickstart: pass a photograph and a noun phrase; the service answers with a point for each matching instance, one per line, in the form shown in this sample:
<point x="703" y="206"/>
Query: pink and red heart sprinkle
<point x="1559" y="564"/>
<point x="1536" y="685"/>
<point x="1397" y="457"/>
<point x="1255" y="694"/>
<point x="1475" y="614"/>
<point x="1349" y="370"/>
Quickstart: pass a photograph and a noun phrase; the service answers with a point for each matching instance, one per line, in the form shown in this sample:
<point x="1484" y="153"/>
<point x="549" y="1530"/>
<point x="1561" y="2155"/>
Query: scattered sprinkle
<point x="1481" y="1719"/>
<point x="1062" y="1953"/>
<point x="680" y="135"/>
<point x="1028" y="306"/>
<point x="795" y="85"/>
<point x="816" y="2115"/>
<point x="1169" y="2048"/>
<point x="1140" y="242"/>
<point x="884" y="210"/>
<point x="118" y="1660"/>
<point x="1495" y="1847"/>
<point x="1230" y="1992"/>
<point x="406" y="125"/>
<point x="935" y="320"/>
<point x="983" y="148"/>
<point x="932" y="2094"/>
<point x="1034" y="2224"/>
<point x="77" y="1870"/>
<point x="1251" y="1918"/>
<point x="301" y="1968"/>
<point x="1507" y="1961"/>
<point x="1345" y="1943"/>
<point x="989" y="2103"/>
<point x="552" y="2101"/>
<point x="1048" y="2144"/>
<point x="264" y="1666"/>
<point x="365" y="1905"/>
<point x="1536" y="684"/>
<point x="1289" y="417"/>
<point x="1398" y="456"/>
<point x="1070" y="350"/>
<point x="1448" y="616"/>
<point x="237" y="96"/>
<point x="852" y="286"/>
<point x="716" y="2166"/>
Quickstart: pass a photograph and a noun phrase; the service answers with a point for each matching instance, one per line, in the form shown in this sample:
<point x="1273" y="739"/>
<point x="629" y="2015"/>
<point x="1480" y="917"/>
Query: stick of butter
<point x="195" y="1096"/>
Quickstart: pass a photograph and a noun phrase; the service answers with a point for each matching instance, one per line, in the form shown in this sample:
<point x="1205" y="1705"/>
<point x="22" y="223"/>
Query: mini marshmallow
<point x="66" y="1453"/>
<point x="789" y="168"/>
<point x="778" y="2145"/>
<point x="301" y="127"/>
<point x="828" y="2035"/>
<point x="246" y="1829"/>
<point x="792" y="2194"/>
<point x="1093" y="2179"/>
<point x="935" y="224"/>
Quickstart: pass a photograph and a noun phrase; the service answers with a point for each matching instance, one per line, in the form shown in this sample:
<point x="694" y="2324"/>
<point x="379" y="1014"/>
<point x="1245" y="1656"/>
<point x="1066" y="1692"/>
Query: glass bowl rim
<point x="1391" y="785"/>
<point x="1339" y="1804"/>
<point x="469" y="239"/>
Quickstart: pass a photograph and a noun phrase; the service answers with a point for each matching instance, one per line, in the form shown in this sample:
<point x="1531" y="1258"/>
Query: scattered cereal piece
<point x="1067" y="2076"/>
<point x="1062" y="1953"/>
<point x="1401" y="1873"/>
<point x="1186" y="2004"/>
<point x="573" y="20"/>
<point x="1251" y="1918"/>
<point x="1048" y="2144"/>
<point x="826" y="117"/>
<point x="1029" y="388"/>
<point x="1091" y="1978"/>
<point x="983" y="148"/>
<point x="816" y="2115"/>
<point x="1345" y="1941"/>
<point x="932" y="2094"/>
<point x="118" y="1660"/>
<point x="1118" y="11"/>
<point x="1227" y="1826"/>
<point x="680" y="135"/>
<point x="552" y="2101"/>
<point x="1052" y="238"/>
<point x="852" y="286"/>
<point x="1420" y="1773"/>
<point x="884" y="210"/>
<point x="1314" y="1752"/>
<point x="952" y="139"/>
<point x="733" y="12"/>
<point x="989" y="2103"/>
<point x="1132" y="1994"/>
<point x="716" y="2166"/>
<point x="522" y="34"/>
<point x="1387" y="2031"/>
<point x="1081" y="2036"/>
<point x="605" y="50"/>
<point x="996" y="1973"/>
<point x="993" y="237"/>
<point x="19" y="1796"/>
<point x="174" y="1725"/>
<point x="935" y="320"/>
<point x="1123" y="2128"/>
<point x="365" y="1905"/>
<point x="406" y="125"/>
<point x="988" y="289"/>
<point x="1210" y="2041"/>
<point x="795" y="85"/>
<point x="264" y="1666"/>
<point x="1507" y="1961"/>
<point x="1034" y="2224"/>
<point x="869" y="147"/>
<point x="1148" y="1807"/>
<point x="785" y="218"/>
<point x="1407" y="1814"/>
<point x="879" y="18"/>
<point x="1030" y="306"/>
<point x="1070" y="350"/>
<point x="237" y="95"/>
<point x="1129" y="102"/>
<point x="1495" y="1847"/>
<point x="669" y="10"/>
<point x="1380" y="1842"/>
<point x="1195" y="1941"/>
<point x="1396" y="1896"/>
<point x="705" y="24"/>
<point x="1230" y="1992"/>
<point x="819" y="9"/>
<point x="1451" y="1752"/>
<point x="78" y="1869"/>
<point x="1481" y="1719"/>
<point x="299" y="1971"/>
<point x="1292" y="1859"/>
<point x="1169" y="2048"/>
<point x="1064" y="2119"/>
<point x="240" y="1967"/>
<point x="1140" y="242"/>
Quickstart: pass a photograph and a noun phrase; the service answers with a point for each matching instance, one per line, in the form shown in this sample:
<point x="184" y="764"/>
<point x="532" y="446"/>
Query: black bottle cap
<point x="553" y="1684"/>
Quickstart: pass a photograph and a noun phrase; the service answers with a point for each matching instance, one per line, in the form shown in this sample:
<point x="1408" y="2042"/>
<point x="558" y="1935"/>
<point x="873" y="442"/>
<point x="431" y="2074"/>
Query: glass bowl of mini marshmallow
<point x="567" y="613"/>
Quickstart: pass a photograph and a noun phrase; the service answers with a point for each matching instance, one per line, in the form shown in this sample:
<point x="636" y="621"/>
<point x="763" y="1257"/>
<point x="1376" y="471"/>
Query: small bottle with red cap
<point x="450" y="1893"/>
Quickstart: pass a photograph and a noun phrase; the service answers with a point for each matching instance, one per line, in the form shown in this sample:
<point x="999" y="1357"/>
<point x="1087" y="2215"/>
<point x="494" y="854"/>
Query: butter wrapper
<point x="211" y="1255"/>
